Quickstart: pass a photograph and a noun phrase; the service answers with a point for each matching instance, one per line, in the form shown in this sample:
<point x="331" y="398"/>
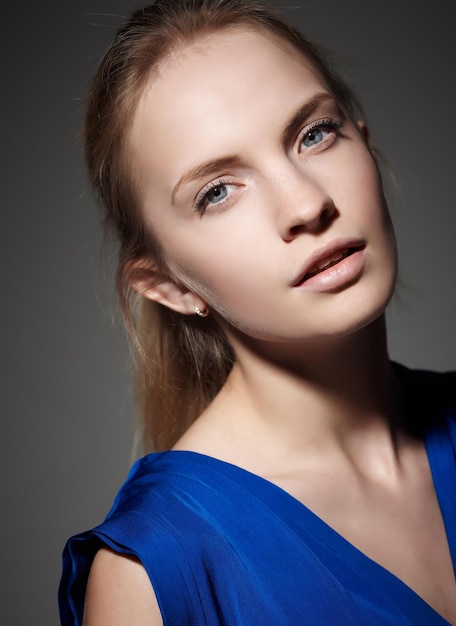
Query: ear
<point x="146" y="279"/>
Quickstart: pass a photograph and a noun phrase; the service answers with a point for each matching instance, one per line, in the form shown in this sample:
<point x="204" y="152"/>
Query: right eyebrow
<point x="205" y="169"/>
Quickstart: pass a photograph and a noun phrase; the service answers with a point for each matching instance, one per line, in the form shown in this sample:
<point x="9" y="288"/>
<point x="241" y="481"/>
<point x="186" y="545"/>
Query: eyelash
<point x="202" y="196"/>
<point x="326" y="124"/>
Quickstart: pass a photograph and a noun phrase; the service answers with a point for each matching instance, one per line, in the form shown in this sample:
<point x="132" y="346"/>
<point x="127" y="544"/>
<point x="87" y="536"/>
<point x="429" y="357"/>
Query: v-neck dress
<point x="223" y="546"/>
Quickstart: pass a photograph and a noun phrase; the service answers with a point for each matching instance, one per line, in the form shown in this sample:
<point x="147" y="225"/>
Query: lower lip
<point x="338" y="276"/>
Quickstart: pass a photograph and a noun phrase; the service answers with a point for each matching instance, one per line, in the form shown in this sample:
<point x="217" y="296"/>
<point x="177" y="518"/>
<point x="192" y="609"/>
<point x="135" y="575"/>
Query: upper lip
<point x="326" y="251"/>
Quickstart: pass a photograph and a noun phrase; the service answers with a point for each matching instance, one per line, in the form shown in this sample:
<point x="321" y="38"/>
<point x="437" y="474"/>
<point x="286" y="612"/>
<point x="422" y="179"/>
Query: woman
<point x="305" y="474"/>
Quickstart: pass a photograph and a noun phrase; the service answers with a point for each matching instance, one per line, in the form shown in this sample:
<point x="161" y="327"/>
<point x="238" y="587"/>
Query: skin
<point x="311" y="403"/>
<point x="277" y="192"/>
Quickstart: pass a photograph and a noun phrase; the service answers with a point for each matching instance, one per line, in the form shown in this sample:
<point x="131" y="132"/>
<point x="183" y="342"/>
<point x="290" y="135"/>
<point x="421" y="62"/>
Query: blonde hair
<point x="182" y="361"/>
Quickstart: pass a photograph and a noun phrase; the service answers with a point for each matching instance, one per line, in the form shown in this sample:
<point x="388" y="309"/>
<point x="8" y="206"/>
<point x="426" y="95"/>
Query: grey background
<point x="67" y="417"/>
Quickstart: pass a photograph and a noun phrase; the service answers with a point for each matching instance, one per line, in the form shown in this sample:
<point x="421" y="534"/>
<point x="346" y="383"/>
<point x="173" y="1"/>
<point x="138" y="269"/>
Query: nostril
<point x="296" y="230"/>
<point x="327" y="216"/>
<point x="320" y="223"/>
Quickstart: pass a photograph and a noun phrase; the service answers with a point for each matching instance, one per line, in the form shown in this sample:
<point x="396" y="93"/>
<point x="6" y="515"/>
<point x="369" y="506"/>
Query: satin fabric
<point x="223" y="546"/>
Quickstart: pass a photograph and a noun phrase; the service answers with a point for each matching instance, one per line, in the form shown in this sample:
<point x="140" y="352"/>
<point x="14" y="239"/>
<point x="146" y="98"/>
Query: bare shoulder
<point x="119" y="593"/>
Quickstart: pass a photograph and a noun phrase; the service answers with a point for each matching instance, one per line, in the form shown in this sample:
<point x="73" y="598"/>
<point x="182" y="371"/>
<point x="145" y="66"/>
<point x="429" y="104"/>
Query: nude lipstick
<point x="332" y="267"/>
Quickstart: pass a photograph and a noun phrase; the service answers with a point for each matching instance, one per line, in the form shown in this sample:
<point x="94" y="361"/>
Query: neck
<point x="325" y="393"/>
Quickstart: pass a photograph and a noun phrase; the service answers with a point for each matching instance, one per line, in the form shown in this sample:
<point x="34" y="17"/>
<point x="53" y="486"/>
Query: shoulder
<point x="98" y="561"/>
<point x="169" y="513"/>
<point x="119" y="592"/>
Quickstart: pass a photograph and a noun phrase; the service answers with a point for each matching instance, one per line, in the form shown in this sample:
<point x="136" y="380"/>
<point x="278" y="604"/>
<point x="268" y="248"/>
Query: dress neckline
<point x="442" y="461"/>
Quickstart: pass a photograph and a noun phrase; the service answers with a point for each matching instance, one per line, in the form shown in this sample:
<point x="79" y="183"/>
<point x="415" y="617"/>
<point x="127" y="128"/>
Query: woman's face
<point x="263" y="195"/>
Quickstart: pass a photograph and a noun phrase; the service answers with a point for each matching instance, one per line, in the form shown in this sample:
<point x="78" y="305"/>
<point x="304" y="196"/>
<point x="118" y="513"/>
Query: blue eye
<point x="216" y="194"/>
<point x="313" y="137"/>
<point x="320" y="132"/>
<point x="213" y="194"/>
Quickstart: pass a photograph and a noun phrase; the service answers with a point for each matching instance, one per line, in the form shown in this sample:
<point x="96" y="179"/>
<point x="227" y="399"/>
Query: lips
<point x="327" y="257"/>
<point x="327" y="262"/>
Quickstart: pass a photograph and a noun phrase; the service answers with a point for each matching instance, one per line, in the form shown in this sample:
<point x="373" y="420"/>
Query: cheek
<point x="373" y="213"/>
<point x="364" y="193"/>
<point x="217" y="271"/>
<point x="216" y="254"/>
<point x="230" y="273"/>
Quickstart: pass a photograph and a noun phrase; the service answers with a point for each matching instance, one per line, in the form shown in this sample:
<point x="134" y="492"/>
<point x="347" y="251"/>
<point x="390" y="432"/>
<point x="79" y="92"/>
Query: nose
<point x="301" y="204"/>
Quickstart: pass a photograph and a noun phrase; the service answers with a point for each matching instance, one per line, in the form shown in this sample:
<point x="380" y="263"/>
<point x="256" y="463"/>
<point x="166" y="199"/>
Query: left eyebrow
<point x="302" y="115"/>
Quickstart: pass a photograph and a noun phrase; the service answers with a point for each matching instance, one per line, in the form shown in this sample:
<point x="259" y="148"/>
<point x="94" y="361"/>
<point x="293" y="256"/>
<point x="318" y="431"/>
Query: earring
<point x="199" y="312"/>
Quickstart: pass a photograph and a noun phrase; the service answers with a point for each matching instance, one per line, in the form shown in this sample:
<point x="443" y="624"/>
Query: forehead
<point x="216" y="93"/>
<point x="242" y="60"/>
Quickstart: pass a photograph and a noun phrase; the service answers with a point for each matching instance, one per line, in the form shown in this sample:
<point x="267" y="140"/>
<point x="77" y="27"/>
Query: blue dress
<point x="223" y="546"/>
